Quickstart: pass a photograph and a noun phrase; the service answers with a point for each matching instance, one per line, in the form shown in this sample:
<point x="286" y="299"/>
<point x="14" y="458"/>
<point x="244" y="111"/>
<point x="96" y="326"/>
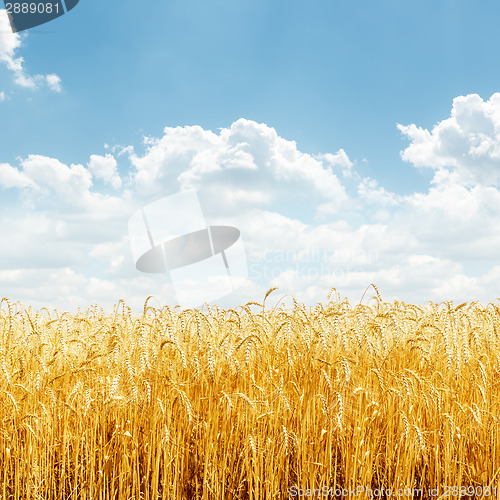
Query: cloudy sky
<point x="349" y="142"/>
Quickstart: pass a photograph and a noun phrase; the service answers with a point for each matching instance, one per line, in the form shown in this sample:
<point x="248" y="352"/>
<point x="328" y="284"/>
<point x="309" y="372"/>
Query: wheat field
<point x="251" y="403"/>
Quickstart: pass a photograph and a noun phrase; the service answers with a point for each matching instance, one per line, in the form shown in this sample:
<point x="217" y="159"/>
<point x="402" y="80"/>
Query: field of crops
<point x="251" y="403"/>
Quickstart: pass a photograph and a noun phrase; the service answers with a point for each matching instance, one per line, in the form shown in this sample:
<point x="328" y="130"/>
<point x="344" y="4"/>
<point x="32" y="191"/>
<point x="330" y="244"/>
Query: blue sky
<point x="326" y="74"/>
<point x="331" y="76"/>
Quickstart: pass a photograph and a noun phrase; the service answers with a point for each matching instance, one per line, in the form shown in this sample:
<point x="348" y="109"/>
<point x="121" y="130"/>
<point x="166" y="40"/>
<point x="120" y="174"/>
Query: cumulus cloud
<point x="337" y="160"/>
<point x="244" y="166"/>
<point x="105" y="168"/>
<point x="467" y="143"/>
<point x="10" y="44"/>
<point x="308" y="222"/>
<point x="71" y="183"/>
<point x="11" y="177"/>
<point x="456" y="215"/>
<point x="54" y="82"/>
<point x="49" y="182"/>
<point x="76" y="211"/>
<point x="412" y="245"/>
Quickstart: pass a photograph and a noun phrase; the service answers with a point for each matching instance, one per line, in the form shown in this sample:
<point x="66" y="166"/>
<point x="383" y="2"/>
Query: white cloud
<point x="105" y="168"/>
<point x="71" y="183"/>
<point x="244" y="166"/>
<point x="49" y="183"/>
<point x="54" y="82"/>
<point x="338" y="160"/>
<point x="468" y="142"/>
<point x="10" y="43"/>
<point x="458" y="214"/>
<point x="11" y="177"/>
<point x="2" y="96"/>
<point x="308" y="223"/>
<point x="370" y="192"/>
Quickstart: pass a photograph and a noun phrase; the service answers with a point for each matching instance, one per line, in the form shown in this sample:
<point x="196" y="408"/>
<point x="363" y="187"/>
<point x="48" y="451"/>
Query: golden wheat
<point x="249" y="403"/>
